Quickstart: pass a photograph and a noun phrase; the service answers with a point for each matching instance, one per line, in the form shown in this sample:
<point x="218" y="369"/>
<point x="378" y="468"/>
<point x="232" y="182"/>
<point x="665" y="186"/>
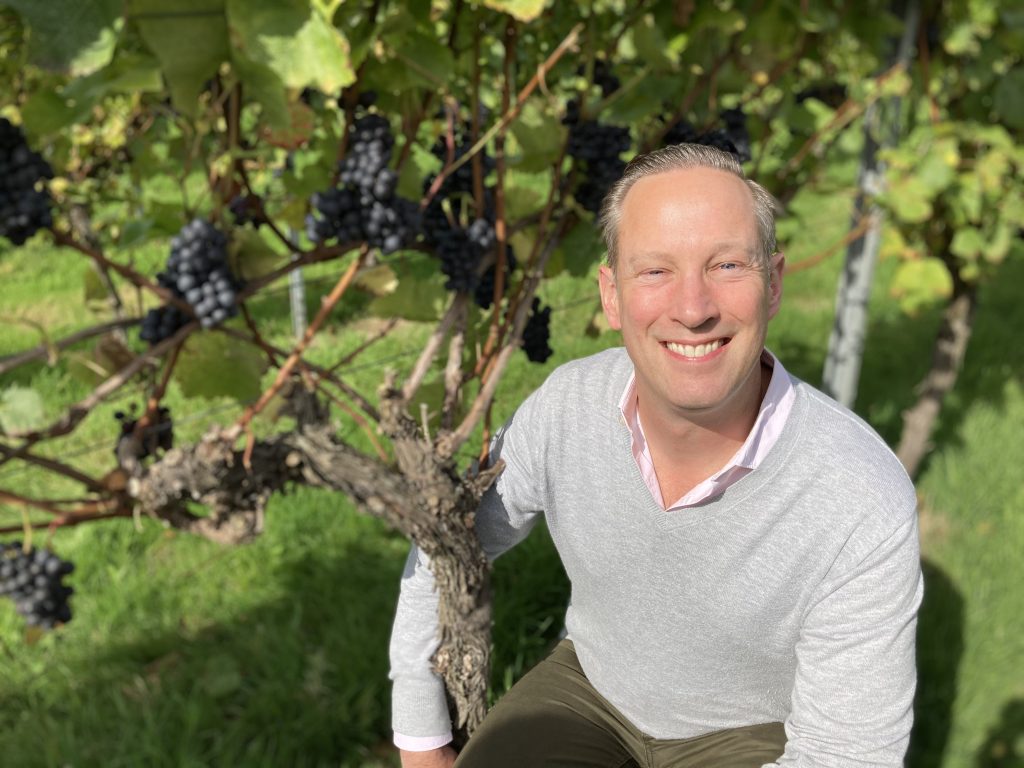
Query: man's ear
<point x="609" y="296"/>
<point x="775" y="269"/>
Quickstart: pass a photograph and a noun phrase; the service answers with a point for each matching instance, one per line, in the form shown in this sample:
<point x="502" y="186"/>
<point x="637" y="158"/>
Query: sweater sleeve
<point x="855" y="675"/>
<point x="507" y="513"/>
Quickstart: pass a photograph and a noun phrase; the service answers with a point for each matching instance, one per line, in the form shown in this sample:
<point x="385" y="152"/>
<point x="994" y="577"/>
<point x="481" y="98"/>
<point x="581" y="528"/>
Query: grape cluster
<point x="34" y="581"/>
<point x="24" y="203"/>
<point x="460" y="249"/>
<point x="597" y="146"/>
<point x="157" y="435"/>
<point x="484" y="292"/>
<point x="365" y="206"/>
<point x="247" y="209"/>
<point x="604" y="78"/>
<point x="733" y="137"/>
<point x="537" y="333"/>
<point x="197" y="271"/>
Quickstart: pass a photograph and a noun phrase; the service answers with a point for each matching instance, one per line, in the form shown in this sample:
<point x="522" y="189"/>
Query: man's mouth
<point x="691" y="350"/>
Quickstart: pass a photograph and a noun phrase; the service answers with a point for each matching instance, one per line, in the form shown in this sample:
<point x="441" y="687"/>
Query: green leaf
<point x="421" y="163"/>
<point x="135" y="232"/>
<point x="293" y="40"/>
<point x="189" y="37"/>
<point x="650" y="44"/>
<point x="93" y="287"/>
<point x="420" y="294"/>
<point x="540" y="135"/>
<point x="427" y="61"/>
<point x="910" y="200"/>
<point x="968" y="243"/>
<point x="250" y="256"/>
<point x="74" y="36"/>
<point x="265" y="87"/>
<point x="582" y="249"/>
<point x="918" y="284"/>
<point x="524" y="10"/>
<point x="214" y="365"/>
<point x="999" y="245"/>
<point x="46" y="112"/>
<point x="21" y="409"/>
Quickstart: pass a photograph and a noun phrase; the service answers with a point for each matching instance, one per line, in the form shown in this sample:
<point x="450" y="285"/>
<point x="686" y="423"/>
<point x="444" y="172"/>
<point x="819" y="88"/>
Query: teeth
<point x="687" y="350"/>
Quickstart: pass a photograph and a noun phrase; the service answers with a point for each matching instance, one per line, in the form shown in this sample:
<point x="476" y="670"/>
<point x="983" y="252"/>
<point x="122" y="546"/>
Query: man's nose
<point x="693" y="301"/>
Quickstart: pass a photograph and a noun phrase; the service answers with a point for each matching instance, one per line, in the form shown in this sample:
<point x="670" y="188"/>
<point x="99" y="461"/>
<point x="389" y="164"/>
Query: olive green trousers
<point x="554" y="718"/>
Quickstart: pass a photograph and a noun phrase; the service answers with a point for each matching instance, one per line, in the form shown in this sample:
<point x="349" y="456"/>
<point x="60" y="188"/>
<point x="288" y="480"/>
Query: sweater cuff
<point x="421" y="743"/>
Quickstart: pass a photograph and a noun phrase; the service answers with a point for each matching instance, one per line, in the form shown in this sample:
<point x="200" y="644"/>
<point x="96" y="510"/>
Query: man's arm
<point x="442" y="757"/>
<point x="507" y="513"/>
<point x="854" y="688"/>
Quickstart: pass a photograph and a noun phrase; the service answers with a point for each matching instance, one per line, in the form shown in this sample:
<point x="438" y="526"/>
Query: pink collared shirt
<point x="771" y="418"/>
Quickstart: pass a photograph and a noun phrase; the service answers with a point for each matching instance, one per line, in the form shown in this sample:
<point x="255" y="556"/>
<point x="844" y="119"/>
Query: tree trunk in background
<point x="846" y="343"/>
<point x="948" y="354"/>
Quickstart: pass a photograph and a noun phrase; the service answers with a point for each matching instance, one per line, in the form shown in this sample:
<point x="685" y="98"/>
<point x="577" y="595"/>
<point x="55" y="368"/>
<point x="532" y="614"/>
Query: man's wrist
<point x="421" y="743"/>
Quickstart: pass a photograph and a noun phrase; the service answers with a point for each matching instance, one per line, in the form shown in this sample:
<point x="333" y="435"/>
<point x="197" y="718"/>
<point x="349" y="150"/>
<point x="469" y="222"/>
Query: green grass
<point x="275" y="653"/>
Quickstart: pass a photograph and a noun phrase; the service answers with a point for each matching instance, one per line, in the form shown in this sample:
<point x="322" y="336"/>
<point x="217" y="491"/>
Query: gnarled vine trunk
<point x="948" y="354"/>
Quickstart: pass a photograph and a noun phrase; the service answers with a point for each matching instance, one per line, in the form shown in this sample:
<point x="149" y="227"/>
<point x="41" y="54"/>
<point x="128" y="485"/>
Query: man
<point x="742" y="550"/>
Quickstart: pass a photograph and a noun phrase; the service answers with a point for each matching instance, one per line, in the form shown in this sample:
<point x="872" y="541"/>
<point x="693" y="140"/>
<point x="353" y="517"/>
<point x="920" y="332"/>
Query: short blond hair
<point x="677" y="157"/>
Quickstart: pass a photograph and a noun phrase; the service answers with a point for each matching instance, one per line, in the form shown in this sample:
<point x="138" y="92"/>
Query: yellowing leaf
<point x="524" y="10"/>
<point x="21" y="409"/>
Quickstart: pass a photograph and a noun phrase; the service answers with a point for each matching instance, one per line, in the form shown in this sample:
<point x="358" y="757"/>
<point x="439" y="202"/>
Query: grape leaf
<point x="920" y="283"/>
<point x="77" y="36"/>
<point x="524" y="10"/>
<point x="21" y="409"/>
<point x="293" y="40"/>
<point x="540" y="135"/>
<point x="582" y="249"/>
<point x="420" y="294"/>
<point x="189" y="37"/>
<point x="214" y="365"/>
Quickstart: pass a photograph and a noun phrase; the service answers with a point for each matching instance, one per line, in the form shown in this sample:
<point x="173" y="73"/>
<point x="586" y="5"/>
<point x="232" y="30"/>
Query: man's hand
<point x="442" y="757"/>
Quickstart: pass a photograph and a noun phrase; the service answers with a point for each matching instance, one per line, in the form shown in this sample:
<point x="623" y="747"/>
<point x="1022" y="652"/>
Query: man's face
<point x="689" y="296"/>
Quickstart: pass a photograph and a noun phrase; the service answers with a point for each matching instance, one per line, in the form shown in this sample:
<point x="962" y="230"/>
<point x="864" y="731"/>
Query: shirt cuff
<point x="421" y="743"/>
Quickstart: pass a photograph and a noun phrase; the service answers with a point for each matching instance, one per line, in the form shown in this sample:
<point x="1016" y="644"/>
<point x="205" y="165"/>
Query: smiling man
<point x="742" y="550"/>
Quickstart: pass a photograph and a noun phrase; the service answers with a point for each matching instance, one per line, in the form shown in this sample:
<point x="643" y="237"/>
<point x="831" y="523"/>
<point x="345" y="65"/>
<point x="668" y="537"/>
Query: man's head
<point x="692" y="286"/>
<point x="677" y="157"/>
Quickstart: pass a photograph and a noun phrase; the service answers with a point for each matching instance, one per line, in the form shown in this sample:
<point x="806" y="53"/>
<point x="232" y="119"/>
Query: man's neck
<point x="688" y="447"/>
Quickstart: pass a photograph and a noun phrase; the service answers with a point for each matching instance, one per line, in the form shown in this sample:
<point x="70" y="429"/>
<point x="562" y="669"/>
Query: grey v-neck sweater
<point x="790" y="597"/>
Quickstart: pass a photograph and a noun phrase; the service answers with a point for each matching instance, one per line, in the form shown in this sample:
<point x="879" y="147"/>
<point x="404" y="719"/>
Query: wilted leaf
<point x="296" y="132"/>
<point x="21" y="409"/>
<point x="214" y="365"/>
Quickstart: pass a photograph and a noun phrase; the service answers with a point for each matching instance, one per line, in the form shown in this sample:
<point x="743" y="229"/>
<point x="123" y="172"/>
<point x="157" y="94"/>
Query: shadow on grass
<point x="299" y="681"/>
<point x="940" y="644"/>
<point x="1004" y="747"/>
<point x="899" y="352"/>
